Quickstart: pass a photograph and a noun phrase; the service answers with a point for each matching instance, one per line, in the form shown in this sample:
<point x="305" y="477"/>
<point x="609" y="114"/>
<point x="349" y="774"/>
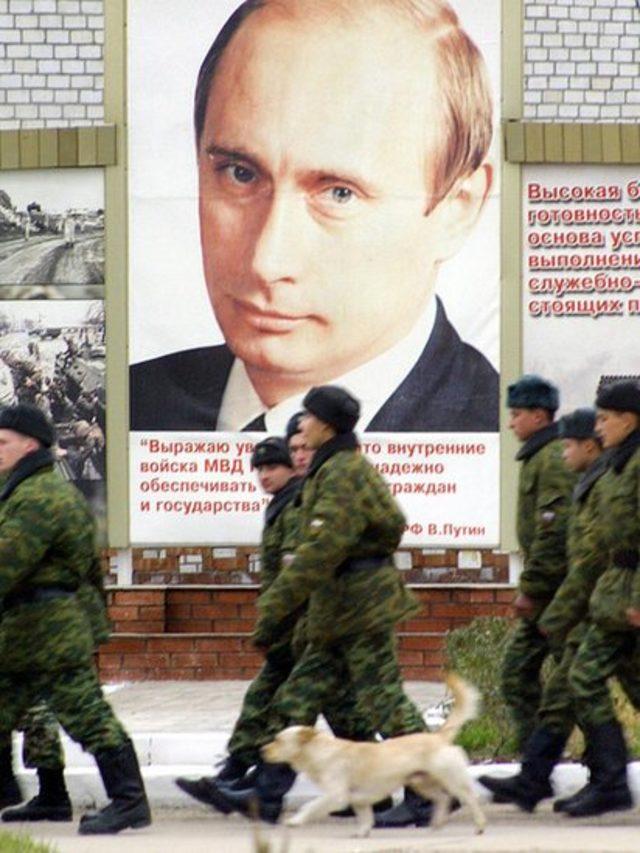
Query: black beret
<point x="293" y="425"/>
<point x="621" y="396"/>
<point x="28" y="420"/>
<point x="579" y="424"/>
<point x="271" y="451"/>
<point x="533" y="392"/>
<point x="333" y="405"/>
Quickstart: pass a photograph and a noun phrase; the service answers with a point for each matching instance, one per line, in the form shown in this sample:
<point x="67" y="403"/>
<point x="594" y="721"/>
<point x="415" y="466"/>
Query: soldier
<point x="301" y="455"/>
<point x="610" y="644"/>
<point x="544" y="492"/>
<point x="350" y="527"/>
<point x="566" y="615"/>
<point x="47" y="556"/>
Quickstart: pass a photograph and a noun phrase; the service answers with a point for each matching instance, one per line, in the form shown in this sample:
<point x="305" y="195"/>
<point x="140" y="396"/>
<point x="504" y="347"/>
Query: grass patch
<point x="13" y="843"/>
<point x="475" y="651"/>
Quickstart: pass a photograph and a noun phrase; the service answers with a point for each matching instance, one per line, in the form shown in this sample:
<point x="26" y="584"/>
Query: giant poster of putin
<point x="313" y="199"/>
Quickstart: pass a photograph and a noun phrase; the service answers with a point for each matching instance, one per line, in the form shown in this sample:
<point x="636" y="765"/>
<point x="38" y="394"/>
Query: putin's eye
<point x="341" y="195"/>
<point x="241" y="174"/>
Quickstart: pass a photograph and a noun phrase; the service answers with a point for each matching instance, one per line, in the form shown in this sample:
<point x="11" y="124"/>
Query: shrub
<point x="10" y="843"/>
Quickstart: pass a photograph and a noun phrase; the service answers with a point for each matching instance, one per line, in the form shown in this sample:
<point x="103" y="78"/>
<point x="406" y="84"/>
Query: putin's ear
<point x="459" y="210"/>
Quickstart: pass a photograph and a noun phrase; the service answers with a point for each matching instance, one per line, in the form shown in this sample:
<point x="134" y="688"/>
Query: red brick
<point x="170" y="644"/>
<point x="179" y="611"/>
<point x="233" y="596"/>
<point x="136" y="596"/>
<point x="214" y="611"/>
<point x="218" y="644"/>
<point x="126" y="644"/>
<point x="188" y="596"/>
<point x="110" y="661"/>
<point x="421" y="642"/>
<point x="456" y="611"/>
<point x="123" y="614"/>
<point x="183" y="659"/>
<point x="201" y="626"/>
<point x="152" y="611"/>
<point x="482" y="595"/>
<point x="241" y="659"/>
<point x="145" y="661"/>
<point x="145" y="626"/>
<point x="410" y="658"/>
<point x="233" y="626"/>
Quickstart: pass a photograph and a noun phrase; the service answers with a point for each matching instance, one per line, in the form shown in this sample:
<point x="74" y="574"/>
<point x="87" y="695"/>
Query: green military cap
<point x="579" y="424"/>
<point x="333" y="405"/>
<point x="533" y="392"/>
<point x="271" y="451"/>
<point x="623" y="396"/>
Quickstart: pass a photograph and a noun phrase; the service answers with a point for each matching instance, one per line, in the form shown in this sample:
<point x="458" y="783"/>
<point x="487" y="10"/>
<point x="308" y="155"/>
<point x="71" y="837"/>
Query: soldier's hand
<point x="524" y="606"/>
<point x="633" y="616"/>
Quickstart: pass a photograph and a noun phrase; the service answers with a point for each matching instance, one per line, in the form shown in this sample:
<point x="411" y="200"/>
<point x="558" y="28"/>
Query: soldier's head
<point x="618" y="411"/>
<point x="533" y="402"/>
<point x="23" y="430"/>
<point x="301" y="455"/>
<point x="271" y="459"/>
<point x="342" y="157"/>
<point x="581" y="445"/>
<point x="328" y="411"/>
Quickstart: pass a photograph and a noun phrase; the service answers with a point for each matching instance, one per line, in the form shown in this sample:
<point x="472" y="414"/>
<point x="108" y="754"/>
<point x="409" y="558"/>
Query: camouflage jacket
<point x="585" y="554"/>
<point x="279" y="531"/>
<point x="347" y="514"/>
<point x="46" y="543"/>
<point x="619" y="586"/>
<point x="544" y="496"/>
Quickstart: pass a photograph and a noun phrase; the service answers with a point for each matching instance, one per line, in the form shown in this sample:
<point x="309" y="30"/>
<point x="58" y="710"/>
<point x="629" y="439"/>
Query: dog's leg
<point x="318" y="808"/>
<point x="457" y="782"/>
<point x="364" y="813"/>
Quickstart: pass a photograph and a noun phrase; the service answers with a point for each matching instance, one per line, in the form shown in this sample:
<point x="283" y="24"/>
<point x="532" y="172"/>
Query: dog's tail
<point x="466" y="701"/>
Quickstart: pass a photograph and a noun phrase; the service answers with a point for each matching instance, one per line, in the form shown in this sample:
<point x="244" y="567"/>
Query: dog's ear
<point x="306" y="734"/>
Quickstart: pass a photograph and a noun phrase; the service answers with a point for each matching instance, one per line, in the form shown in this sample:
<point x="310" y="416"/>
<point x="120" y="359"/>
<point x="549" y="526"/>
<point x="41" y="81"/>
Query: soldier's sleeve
<point x="270" y="553"/>
<point x="635" y="589"/>
<point x="570" y="604"/>
<point x="546" y="565"/>
<point x="334" y="526"/>
<point x="25" y="536"/>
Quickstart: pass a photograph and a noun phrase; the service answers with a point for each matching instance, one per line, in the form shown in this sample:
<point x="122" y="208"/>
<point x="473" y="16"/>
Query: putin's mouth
<point x="269" y="322"/>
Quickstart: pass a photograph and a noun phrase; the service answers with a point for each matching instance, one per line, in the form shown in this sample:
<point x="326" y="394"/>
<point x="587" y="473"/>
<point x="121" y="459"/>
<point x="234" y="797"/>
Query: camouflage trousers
<point x="521" y="684"/>
<point x="556" y="711"/>
<point x="74" y="696"/>
<point x="41" y="746"/>
<point x="368" y="665"/>
<point x="600" y="656"/>
<point x="339" y="709"/>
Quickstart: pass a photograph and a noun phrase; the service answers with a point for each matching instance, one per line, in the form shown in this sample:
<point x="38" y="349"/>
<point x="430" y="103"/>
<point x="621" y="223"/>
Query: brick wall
<point x="582" y="59"/>
<point x="51" y="63"/>
<point x="183" y="633"/>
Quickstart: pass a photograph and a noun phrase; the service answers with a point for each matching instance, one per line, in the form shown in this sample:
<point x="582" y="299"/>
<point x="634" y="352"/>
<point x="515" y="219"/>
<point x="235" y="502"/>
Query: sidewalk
<point x="181" y="729"/>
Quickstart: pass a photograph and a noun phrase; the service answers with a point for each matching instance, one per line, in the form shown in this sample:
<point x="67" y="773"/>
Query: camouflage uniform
<point x="279" y="540"/>
<point x="349" y="528"/>
<point x="46" y="639"/>
<point x="610" y="644"/>
<point x="544" y="492"/>
<point x="565" y="619"/>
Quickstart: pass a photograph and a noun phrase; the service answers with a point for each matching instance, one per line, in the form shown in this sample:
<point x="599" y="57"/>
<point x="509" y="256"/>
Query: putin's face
<point x="314" y="181"/>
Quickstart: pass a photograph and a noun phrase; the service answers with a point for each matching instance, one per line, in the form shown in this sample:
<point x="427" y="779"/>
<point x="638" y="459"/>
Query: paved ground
<point x="180" y="728"/>
<point x="508" y="830"/>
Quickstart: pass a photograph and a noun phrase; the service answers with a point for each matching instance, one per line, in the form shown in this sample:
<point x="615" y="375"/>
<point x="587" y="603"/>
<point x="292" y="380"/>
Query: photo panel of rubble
<point x="52" y="355"/>
<point x="52" y="234"/>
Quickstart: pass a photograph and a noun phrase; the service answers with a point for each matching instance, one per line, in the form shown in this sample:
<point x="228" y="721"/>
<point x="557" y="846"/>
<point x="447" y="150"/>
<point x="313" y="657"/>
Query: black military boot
<point x="233" y="772"/>
<point x="561" y="803"/>
<point x="531" y="784"/>
<point x="608" y="788"/>
<point x="265" y="799"/>
<point x="412" y="811"/>
<point x="50" y="803"/>
<point x="10" y="793"/>
<point x="129" y="807"/>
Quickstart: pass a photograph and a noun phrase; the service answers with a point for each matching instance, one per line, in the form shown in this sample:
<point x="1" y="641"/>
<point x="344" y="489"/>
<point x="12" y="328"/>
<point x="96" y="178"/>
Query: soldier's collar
<point x="590" y="477"/>
<point x="537" y="441"/>
<point x="623" y="453"/>
<point x="27" y="466"/>
<point x="281" y="499"/>
<point x="341" y="441"/>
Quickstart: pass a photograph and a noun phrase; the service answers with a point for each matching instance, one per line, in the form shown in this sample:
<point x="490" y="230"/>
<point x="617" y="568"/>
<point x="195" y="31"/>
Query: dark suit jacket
<point x="451" y="388"/>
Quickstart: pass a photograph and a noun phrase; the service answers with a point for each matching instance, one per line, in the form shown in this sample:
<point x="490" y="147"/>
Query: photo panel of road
<point x="52" y="234"/>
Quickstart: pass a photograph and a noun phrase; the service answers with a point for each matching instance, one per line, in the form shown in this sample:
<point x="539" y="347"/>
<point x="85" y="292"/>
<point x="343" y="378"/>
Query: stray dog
<point x="359" y="774"/>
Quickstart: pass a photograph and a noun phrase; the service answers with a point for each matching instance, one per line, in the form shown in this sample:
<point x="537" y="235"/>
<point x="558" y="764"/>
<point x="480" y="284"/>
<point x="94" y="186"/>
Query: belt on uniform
<point x="37" y="596"/>
<point x="626" y="558"/>
<point x="357" y="564"/>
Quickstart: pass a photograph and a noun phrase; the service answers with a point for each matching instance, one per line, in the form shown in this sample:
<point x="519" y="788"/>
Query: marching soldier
<point x="610" y="645"/>
<point x="564" y="620"/>
<point x="544" y="493"/>
<point x="47" y="555"/>
<point x="350" y="527"/>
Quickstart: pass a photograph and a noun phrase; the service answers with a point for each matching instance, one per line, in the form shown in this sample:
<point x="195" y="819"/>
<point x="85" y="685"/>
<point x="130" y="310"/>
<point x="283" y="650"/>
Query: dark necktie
<point x="256" y="425"/>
